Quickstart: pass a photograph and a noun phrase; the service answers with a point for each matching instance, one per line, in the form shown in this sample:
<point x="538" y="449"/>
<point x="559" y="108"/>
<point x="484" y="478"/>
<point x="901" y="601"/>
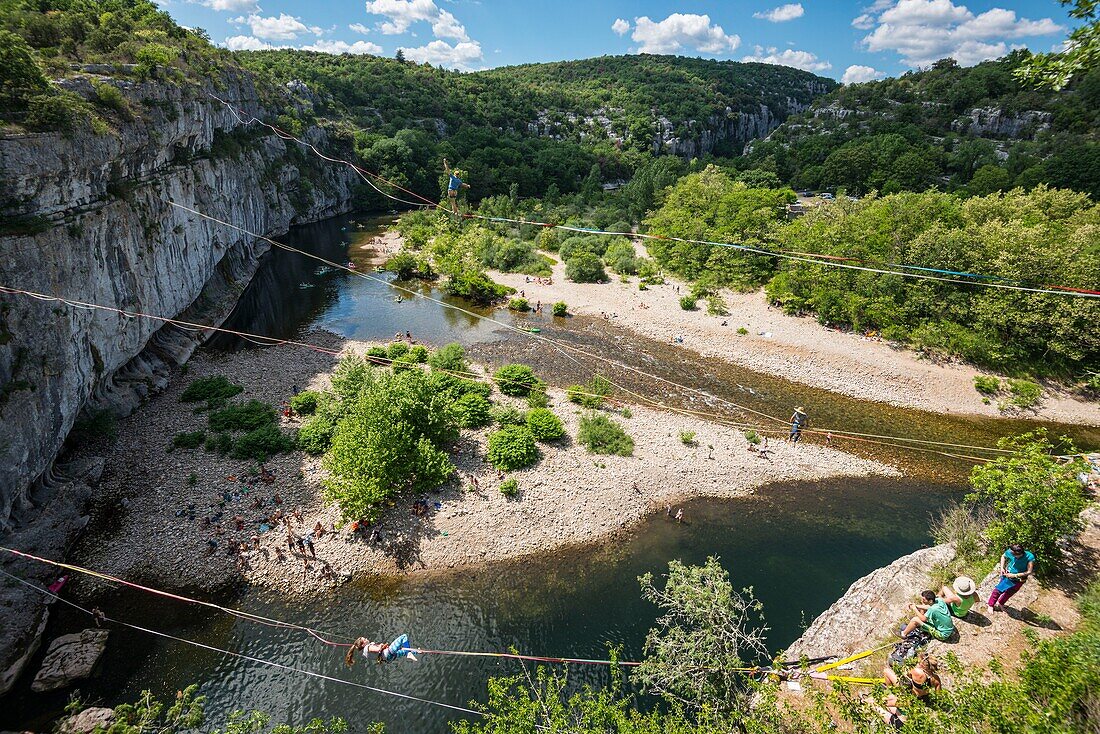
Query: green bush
<point x="742" y="330"/>
<point x="517" y="380"/>
<point x="219" y="442"/>
<point x="627" y="413"/>
<point x="544" y="425"/>
<point x="752" y="437"/>
<point x="987" y="385"/>
<point x="477" y="287"/>
<point x="716" y="306"/>
<point x="450" y="358"/>
<point x="262" y="443"/>
<point x="351" y="373"/>
<point x="506" y="415"/>
<point x="315" y="435"/>
<point x="584" y="267"/>
<point x="688" y="303"/>
<point x="472" y="411"/>
<point x="687" y="438"/>
<point x="509" y="487"/>
<point x="538" y="399"/>
<point x="391" y="439"/>
<point x="1036" y="499"/>
<point x="64" y="112"/>
<point x="242" y="417"/>
<point x="110" y="96"/>
<point x="397" y="350"/>
<point x="305" y="402"/>
<point x="418" y="353"/>
<point x="621" y="258"/>
<point x="560" y="309"/>
<point x="512" y="447"/>
<point x="214" y="390"/>
<point x="591" y="395"/>
<point x="601" y="435"/>
<point x="191" y="440"/>
<point x="1025" y="394"/>
<point x="403" y="264"/>
<point x="378" y="353"/>
<point x="518" y="304"/>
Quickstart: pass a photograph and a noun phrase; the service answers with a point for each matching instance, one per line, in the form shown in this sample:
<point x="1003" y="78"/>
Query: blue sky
<point x="846" y="41"/>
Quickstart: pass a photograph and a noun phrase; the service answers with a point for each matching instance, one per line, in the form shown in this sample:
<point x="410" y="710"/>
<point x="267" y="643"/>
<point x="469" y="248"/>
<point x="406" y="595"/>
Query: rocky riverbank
<point x="155" y="503"/>
<point x="797" y="349"/>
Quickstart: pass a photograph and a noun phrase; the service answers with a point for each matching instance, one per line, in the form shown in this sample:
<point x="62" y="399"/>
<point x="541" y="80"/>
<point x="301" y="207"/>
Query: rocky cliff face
<point x="111" y="237"/>
<point x="104" y="232"/>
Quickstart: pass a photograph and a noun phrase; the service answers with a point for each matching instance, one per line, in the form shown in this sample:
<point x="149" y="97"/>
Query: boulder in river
<point x="70" y="657"/>
<point x="87" y="721"/>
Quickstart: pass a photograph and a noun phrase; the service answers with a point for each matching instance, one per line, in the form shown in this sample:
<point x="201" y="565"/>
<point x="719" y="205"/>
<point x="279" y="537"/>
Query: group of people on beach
<point x="934" y="618"/>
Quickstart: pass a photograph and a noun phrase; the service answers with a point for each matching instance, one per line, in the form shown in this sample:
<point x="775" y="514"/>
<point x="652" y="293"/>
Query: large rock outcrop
<point x="89" y="217"/>
<point x="70" y="658"/>
<point x="872" y="606"/>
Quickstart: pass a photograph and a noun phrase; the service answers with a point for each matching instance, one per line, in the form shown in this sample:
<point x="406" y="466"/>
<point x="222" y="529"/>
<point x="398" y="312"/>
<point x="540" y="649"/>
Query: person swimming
<point x="382" y="652"/>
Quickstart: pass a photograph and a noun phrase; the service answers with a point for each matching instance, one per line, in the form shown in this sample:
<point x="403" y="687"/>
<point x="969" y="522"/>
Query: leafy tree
<point x="20" y="76"/>
<point x="585" y="267"/>
<point x="1082" y="51"/>
<point x="706" y="629"/>
<point x="1036" y="499"/>
<point x="449" y="358"/>
<point x="390" y="440"/>
<point x="989" y="179"/>
<point x="601" y="435"/>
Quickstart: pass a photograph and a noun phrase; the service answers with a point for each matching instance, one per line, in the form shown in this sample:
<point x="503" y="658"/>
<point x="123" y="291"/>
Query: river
<point x="799" y="545"/>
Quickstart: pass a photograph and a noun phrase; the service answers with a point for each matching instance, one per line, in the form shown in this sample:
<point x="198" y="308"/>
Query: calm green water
<point x="799" y="545"/>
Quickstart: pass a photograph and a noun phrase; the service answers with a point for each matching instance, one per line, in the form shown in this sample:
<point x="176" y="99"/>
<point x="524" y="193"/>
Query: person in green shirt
<point x="960" y="596"/>
<point x="932" y="617"/>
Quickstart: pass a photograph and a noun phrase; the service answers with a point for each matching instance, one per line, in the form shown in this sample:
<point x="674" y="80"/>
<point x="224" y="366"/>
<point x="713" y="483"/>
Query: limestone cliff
<point x="111" y="237"/>
<point x="87" y="217"/>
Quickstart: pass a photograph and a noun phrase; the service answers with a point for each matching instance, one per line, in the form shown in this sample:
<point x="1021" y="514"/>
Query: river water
<point x="799" y="545"/>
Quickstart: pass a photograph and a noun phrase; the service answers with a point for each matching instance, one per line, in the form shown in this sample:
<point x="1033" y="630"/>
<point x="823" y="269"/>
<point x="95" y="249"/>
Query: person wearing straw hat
<point x="960" y="596"/>
<point x="798" y="420"/>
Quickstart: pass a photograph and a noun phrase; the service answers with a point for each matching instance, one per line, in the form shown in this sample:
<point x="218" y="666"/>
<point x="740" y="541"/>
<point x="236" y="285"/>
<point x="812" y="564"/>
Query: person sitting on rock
<point x="932" y="617"/>
<point x="960" y="596"/>
<point x="889" y="712"/>
<point x="383" y="653"/>
<point x="921" y="679"/>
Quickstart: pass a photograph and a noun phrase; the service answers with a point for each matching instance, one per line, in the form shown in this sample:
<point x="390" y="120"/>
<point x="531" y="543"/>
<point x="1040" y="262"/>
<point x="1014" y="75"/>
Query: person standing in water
<point x="453" y="185"/>
<point x="798" y="421"/>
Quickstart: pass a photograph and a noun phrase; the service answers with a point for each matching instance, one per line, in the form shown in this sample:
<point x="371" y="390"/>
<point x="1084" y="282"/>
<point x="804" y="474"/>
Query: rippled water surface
<point x="799" y="545"/>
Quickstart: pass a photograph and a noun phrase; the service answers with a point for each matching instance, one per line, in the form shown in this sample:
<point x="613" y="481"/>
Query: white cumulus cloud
<point x="246" y="43"/>
<point x="857" y="73"/>
<point x="462" y="55"/>
<point x="402" y="14"/>
<point x="788" y="57"/>
<point x="682" y="31"/>
<point x="232" y="6"/>
<point x="923" y="31"/>
<point x="783" y="13"/>
<point x="282" y="28"/>
<point x="620" y="26"/>
<point x="359" y="28"/>
<point x="343" y="47"/>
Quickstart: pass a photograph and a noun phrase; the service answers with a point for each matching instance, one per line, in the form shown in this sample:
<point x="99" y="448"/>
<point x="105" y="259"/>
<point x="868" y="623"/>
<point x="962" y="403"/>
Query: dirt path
<point x="798" y="349"/>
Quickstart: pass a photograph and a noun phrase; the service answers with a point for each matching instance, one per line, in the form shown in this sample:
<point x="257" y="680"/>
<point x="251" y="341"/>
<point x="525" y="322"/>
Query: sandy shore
<point x="156" y="511"/>
<point x="798" y="349"/>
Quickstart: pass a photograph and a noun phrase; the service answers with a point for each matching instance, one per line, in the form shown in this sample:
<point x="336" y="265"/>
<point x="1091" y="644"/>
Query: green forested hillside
<point x="974" y="130"/>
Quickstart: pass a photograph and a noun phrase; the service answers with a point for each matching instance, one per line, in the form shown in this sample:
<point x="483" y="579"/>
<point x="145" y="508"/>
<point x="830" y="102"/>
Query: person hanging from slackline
<point x="453" y="185"/>
<point x="383" y="653"/>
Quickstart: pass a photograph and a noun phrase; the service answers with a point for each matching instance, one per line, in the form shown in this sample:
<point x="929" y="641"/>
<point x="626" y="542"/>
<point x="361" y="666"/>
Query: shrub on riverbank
<point x="472" y="411"/>
<point x="315" y="435"/>
<point x="512" y="447"/>
<point x="262" y="443"/>
<point x="449" y="358"/>
<point x="305" y="402"/>
<point x="391" y="439"/>
<point x="584" y="267"/>
<point x="509" y="487"/>
<point x="560" y="309"/>
<point x="601" y="435"/>
<point x="516" y="380"/>
<point x="987" y="386"/>
<point x="189" y="440"/>
<point x="242" y="417"/>
<point x="214" y="390"/>
<point x="544" y="425"/>
<point x="591" y="395"/>
<point x="506" y="415"/>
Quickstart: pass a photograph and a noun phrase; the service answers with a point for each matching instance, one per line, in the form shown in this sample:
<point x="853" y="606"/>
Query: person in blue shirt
<point x="798" y="421"/>
<point x="1017" y="564"/>
<point x="453" y="185"/>
<point x="380" y="651"/>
